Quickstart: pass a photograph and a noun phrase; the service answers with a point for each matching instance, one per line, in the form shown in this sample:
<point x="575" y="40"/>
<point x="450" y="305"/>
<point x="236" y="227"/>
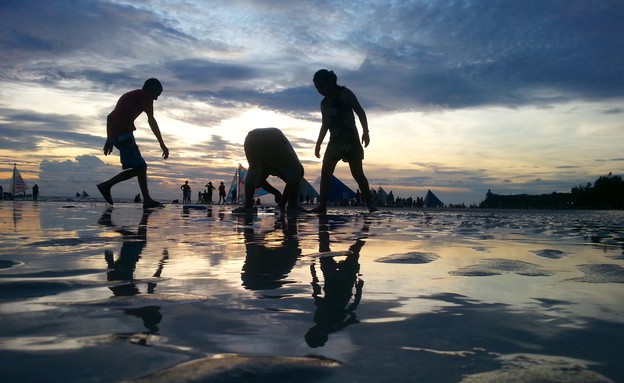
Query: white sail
<point x="18" y="185"/>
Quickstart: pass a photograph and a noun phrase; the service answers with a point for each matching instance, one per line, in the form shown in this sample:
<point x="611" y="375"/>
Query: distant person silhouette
<point x="269" y="152"/>
<point x="119" y="133"/>
<point x="35" y="192"/>
<point x="222" y="193"/>
<point x="186" y="192"/>
<point x="234" y="195"/>
<point x="337" y="109"/>
<point x="137" y="198"/>
<point x="209" y="189"/>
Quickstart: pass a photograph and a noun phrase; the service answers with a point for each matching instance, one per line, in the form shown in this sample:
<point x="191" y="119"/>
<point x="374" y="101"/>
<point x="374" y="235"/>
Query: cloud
<point x="219" y="62"/>
<point x="413" y="54"/>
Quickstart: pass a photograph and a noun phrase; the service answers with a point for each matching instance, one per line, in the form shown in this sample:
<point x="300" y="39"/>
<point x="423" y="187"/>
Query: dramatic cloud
<point x="428" y="73"/>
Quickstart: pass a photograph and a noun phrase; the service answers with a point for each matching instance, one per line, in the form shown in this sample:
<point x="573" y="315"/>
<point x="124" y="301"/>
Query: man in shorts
<point x="269" y="152"/>
<point x="119" y="133"/>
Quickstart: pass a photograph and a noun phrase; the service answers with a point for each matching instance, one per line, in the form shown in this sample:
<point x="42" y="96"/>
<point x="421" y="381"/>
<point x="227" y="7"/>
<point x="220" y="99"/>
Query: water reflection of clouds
<point x="19" y="216"/>
<point x="427" y="310"/>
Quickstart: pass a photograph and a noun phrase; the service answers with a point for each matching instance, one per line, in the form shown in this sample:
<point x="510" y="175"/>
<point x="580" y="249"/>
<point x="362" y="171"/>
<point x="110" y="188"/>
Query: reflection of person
<point x="186" y="192"/>
<point x="334" y="310"/>
<point x="119" y="133"/>
<point x="122" y="269"/>
<point x="269" y="152"/>
<point x="337" y="109"/>
<point x="266" y="267"/>
<point x="35" y="192"/>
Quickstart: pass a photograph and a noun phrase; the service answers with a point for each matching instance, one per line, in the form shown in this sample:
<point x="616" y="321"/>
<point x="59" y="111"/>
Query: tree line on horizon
<point x="607" y="192"/>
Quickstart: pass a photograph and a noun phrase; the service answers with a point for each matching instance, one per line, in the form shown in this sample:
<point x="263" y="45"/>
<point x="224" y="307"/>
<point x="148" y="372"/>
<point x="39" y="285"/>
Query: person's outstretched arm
<point x="322" y="133"/>
<point x="154" y="126"/>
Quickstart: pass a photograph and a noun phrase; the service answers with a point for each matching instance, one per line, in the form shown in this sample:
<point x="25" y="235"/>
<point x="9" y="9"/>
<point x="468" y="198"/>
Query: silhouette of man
<point x="35" y="192"/>
<point x="119" y="133"/>
<point x="209" y="188"/>
<point x="222" y="194"/>
<point x="186" y="192"/>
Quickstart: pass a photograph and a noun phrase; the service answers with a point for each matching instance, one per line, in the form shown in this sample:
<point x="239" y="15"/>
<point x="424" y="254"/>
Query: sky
<point x="461" y="96"/>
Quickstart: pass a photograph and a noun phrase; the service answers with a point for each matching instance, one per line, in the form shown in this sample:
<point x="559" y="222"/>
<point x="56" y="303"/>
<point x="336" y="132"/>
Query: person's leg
<point x="357" y="171"/>
<point x="329" y="165"/>
<point x="291" y="192"/>
<point x="252" y="180"/>
<point x="105" y="187"/>
<point x="142" y="179"/>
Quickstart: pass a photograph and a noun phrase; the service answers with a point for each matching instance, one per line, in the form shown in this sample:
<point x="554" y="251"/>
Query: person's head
<point x="324" y="81"/>
<point x="154" y="87"/>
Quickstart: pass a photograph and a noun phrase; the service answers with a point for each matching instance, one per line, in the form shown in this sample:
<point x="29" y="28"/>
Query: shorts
<point x="129" y="153"/>
<point x="345" y="150"/>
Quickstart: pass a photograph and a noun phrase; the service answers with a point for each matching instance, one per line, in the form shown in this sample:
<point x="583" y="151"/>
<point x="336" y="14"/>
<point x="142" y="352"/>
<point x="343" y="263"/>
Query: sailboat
<point x="236" y="194"/>
<point x="18" y="185"/>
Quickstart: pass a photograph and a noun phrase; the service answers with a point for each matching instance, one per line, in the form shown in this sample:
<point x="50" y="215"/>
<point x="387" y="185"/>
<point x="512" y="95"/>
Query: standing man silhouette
<point x="119" y="133"/>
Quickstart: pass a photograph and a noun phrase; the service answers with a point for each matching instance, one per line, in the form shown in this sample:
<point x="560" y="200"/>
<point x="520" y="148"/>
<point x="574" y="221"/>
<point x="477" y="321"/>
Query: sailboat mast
<point x="13" y="179"/>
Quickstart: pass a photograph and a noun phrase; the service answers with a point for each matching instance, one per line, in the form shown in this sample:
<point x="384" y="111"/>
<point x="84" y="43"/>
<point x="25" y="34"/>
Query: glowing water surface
<point x="90" y="293"/>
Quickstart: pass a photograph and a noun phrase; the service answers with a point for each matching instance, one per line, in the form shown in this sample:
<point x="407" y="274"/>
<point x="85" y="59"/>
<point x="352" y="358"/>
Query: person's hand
<point x="108" y="147"/>
<point x="165" y="150"/>
<point x="365" y="139"/>
<point x="317" y="151"/>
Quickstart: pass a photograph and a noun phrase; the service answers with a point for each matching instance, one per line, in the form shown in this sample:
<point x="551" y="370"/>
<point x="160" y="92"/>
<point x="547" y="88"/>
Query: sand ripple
<point x="415" y="257"/>
<point x="498" y="266"/>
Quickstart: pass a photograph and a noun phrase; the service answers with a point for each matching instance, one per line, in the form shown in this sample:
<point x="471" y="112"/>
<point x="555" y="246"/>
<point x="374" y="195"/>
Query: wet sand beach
<point x="90" y="293"/>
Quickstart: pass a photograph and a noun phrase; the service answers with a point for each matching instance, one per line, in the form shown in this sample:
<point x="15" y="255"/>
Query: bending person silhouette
<point x="119" y="133"/>
<point x="269" y="152"/>
<point x="337" y="109"/>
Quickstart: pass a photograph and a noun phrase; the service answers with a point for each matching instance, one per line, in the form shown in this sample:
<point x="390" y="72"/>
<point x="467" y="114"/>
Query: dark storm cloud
<point x="417" y="54"/>
<point x="208" y="72"/>
<point x="91" y="40"/>
<point x="499" y="52"/>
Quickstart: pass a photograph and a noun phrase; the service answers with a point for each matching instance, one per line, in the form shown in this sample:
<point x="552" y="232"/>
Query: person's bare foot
<point x="105" y="193"/>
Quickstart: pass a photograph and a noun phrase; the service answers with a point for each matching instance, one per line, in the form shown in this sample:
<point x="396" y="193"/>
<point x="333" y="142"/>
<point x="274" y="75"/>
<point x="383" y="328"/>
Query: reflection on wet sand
<point x="469" y="295"/>
<point x="122" y="269"/>
<point x="267" y="266"/>
<point x="334" y="308"/>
